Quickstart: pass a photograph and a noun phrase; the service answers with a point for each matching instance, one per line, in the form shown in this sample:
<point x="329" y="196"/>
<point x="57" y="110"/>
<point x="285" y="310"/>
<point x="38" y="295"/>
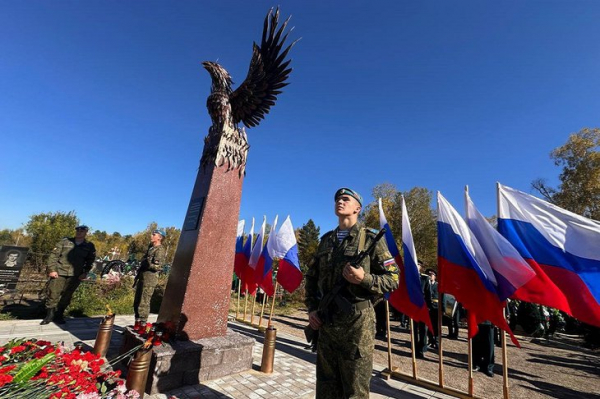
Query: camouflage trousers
<point x="345" y="357"/>
<point x="60" y="291"/>
<point x="143" y="294"/>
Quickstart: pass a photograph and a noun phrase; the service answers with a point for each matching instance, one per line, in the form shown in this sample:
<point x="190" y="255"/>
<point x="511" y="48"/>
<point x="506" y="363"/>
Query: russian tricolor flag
<point x="252" y="273"/>
<point x="238" y="264"/>
<point x="289" y="275"/>
<point x="264" y="267"/>
<point x="243" y="259"/>
<point x="465" y="271"/>
<point x="510" y="269"/>
<point x="408" y="297"/>
<point x="563" y="249"/>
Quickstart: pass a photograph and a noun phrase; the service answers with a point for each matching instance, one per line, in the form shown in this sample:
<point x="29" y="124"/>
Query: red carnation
<point x="17" y="349"/>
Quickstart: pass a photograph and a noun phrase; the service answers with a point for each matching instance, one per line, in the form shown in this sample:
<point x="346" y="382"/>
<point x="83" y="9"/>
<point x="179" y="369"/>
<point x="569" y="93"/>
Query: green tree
<point x="392" y="206"/>
<point x="140" y="240"/>
<point x="308" y="241"/>
<point x="423" y="223"/>
<point x="46" y="229"/>
<point x="16" y="237"/>
<point x="579" y="188"/>
<point x="6" y="237"/>
<point x="138" y="243"/>
<point x="422" y="218"/>
<point x="170" y="242"/>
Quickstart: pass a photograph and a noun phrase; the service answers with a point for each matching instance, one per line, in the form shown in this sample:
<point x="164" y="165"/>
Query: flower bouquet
<point x="31" y="368"/>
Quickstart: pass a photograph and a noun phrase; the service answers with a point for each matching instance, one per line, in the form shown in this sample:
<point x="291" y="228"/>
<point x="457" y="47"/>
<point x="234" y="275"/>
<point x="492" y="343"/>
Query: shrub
<point x="91" y="299"/>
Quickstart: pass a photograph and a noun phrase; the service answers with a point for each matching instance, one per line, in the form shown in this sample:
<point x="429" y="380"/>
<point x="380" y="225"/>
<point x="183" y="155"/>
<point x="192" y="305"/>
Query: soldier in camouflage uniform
<point x="68" y="264"/>
<point x="346" y="340"/>
<point x="147" y="277"/>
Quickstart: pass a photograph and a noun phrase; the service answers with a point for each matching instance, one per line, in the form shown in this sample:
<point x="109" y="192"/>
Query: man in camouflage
<point x="68" y="265"/>
<point x="147" y="277"/>
<point x="346" y="337"/>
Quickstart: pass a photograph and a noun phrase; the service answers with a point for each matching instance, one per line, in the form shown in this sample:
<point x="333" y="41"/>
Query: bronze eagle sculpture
<point x="251" y="101"/>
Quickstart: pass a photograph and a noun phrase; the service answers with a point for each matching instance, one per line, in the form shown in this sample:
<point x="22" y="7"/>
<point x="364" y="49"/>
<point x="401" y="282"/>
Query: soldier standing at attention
<point x="68" y="265"/>
<point x="147" y="278"/>
<point x="346" y="332"/>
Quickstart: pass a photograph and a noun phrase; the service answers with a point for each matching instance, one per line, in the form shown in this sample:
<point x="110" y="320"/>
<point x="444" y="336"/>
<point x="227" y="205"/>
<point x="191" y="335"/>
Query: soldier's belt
<point x="435" y="300"/>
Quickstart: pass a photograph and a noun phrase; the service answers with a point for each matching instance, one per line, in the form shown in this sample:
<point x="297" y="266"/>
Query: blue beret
<point x="350" y="192"/>
<point x="161" y="232"/>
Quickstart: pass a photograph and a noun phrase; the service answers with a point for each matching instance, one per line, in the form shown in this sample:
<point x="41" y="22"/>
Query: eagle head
<point x="221" y="80"/>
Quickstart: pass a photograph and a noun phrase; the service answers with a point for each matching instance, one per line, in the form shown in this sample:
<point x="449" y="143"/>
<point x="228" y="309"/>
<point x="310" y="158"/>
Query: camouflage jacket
<point x="153" y="259"/>
<point x="381" y="271"/>
<point x="69" y="259"/>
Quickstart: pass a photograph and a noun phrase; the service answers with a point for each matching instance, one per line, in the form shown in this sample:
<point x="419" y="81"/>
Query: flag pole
<point x="412" y="347"/>
<point x="504" y="365"/>
<point x="469" y="320"/>
<point x="503" y="336"/>
<point x="262" y="310"/>
<point x="470" y="360"/>
<point x="239" y="292"/>
<point x="245" y="304"/>
<point x="272" y="305"/>
<point x="252" y="311"/>
<point x="389" y="336"/>
<point x="441" y="353"/>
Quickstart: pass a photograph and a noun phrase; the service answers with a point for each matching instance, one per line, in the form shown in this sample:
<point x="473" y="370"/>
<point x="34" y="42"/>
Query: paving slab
<point x="293" y="375"/>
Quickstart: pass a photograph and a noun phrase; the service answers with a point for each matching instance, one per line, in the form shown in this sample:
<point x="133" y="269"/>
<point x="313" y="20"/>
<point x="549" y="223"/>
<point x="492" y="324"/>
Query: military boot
<point x="59" y="317"/>
<point x="49" y="316"/>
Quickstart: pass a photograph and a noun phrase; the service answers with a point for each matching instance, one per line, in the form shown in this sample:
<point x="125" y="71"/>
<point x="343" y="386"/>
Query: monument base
<point x="191" y="362"/>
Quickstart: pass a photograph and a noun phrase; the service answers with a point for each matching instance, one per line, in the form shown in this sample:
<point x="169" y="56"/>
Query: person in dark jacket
<point x="483" y="349"/>
<point x="68" y="265"/>
<point x="433" y="305"/>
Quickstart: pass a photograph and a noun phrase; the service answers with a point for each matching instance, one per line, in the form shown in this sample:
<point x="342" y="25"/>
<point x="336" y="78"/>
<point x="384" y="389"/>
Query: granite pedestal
<point x="191" y="362"/>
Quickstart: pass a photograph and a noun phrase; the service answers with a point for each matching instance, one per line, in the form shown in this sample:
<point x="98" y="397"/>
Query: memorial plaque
<point x="193" y="214"/>
<point x="12" y="260"/>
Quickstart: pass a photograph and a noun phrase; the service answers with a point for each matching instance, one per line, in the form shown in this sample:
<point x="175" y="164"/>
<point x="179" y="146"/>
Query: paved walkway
<point x="293" y="376"/>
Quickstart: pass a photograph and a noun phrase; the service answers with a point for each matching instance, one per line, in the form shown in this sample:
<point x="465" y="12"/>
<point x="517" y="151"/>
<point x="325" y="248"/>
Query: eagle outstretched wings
<point x="267" y="74"/>
<point x="252" y="100"/>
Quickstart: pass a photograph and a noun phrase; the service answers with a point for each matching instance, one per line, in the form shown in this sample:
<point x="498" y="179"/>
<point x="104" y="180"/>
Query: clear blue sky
<point x="102" y="104"/>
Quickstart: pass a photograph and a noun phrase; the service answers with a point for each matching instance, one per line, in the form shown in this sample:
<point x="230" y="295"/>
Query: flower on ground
<point x="33" y="368"/>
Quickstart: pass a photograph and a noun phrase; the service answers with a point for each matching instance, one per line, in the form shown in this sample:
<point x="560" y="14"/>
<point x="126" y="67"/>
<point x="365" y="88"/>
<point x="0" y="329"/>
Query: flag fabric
<point x="408" y="297"/>
<point x="238" y="264"/>
<point x="465" y="272"/>
<point x="563" y="249"/>
<point x="246" y="274"/>
<point x="510" y="269"/>
<point x="253" y="275"/>
<point x="264" y="266"/>
<point x="289" y="275"/>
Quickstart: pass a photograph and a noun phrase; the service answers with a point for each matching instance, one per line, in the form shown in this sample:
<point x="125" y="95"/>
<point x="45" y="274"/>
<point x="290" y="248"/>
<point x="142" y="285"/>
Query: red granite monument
<point x="196" y="299"/>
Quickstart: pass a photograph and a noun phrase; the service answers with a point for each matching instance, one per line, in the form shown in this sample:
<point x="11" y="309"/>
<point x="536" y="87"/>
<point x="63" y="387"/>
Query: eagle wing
<point x="266" y="77"/>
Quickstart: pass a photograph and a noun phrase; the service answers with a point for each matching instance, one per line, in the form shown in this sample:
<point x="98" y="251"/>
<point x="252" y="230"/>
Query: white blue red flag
<point x="264" y="266"/>
<point x="257" y="248"/>
<point x="563" y="249"/>
<point x="238" y="264"/>
<point x="289" y="275"/>
<point x="246" y="273"/>
<point x="465" y="271"/>
<point x="408" y="297"/>
<point x="510" y="269"/>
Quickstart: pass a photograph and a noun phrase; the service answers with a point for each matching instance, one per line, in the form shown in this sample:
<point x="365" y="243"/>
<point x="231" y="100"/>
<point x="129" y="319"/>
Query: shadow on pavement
<point x="285" y="345"/>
